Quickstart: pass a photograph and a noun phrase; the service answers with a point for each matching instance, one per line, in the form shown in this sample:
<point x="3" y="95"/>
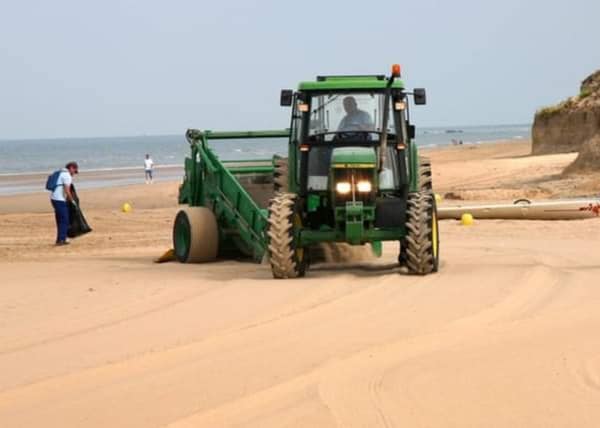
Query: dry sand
<point x="505" y="335"/>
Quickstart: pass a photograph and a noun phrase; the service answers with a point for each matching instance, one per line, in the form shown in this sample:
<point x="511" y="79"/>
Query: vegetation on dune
<point x="584" y="93"/>
<point x="589" y="91"/>
<point x="552" y="110"/>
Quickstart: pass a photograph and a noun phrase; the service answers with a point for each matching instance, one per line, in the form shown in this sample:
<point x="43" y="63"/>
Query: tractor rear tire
<point x="286" y="258"/>
<point x="425" y="176"/>
<point x="195" y="235"/>
<point x="422" y="240"/>
<point x="280" y="174"/>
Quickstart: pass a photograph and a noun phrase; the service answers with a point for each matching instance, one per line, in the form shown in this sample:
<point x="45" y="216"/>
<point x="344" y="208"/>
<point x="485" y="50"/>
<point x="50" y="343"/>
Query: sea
<point x="108" y="153"/>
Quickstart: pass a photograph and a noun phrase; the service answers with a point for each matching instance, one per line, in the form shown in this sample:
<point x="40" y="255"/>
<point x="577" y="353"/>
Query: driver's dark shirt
<point x="358" y="120"/>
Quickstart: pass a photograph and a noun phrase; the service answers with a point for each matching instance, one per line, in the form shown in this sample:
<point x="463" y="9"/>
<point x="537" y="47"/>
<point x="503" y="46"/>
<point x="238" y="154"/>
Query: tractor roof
<point x="336" y="83"/>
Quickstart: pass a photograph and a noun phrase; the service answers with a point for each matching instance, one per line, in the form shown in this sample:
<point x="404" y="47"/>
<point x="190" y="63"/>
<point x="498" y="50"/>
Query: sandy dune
<point x="95" y="335"/>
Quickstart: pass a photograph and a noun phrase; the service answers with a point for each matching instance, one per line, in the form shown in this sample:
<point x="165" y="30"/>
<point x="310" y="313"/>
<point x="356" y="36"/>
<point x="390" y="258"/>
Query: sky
<point x="117" y="68"/>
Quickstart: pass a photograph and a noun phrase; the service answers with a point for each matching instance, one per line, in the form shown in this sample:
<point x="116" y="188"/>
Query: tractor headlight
<point x="343" y="187"/>
<point x="364" y="186"/>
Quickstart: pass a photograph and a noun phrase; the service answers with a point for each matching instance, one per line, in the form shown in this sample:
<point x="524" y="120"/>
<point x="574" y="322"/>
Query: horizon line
<point x="447" y="127"/>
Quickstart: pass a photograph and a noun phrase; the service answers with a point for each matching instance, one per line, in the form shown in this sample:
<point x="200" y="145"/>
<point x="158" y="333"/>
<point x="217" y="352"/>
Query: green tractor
<point x="352" y="175"/>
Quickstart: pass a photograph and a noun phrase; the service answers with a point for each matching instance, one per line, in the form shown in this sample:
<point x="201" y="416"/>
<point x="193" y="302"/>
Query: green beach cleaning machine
<point x="352" y="175"/>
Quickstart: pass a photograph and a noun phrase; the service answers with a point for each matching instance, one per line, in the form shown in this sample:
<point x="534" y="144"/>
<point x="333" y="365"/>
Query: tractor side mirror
<point x="420" y="96"/>
<point x="287" y="95"/>
<point x="411" y="131"/>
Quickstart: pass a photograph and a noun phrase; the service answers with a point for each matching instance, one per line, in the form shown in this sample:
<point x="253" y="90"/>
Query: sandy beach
<point x="506" y="334"/>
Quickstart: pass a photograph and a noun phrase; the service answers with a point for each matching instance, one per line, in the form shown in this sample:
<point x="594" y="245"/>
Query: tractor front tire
<point x="422" y="240"/>
<point x="287" y="260"/>
<point x="425" y="186"/>
<point x="195" y="235"/>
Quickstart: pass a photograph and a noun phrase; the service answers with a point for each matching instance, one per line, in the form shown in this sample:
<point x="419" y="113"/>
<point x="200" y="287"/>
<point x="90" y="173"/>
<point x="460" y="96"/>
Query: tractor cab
<point x="348" y="119"/>
<point x="349" y="142"/>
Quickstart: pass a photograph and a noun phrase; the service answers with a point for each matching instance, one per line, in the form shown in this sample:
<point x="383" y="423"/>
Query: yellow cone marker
<point x="126" y="207"/>
<point x="466" y="219"/>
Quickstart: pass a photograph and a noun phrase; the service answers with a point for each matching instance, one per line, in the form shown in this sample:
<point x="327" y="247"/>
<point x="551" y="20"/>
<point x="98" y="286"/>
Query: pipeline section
<point x="566" y="209"/>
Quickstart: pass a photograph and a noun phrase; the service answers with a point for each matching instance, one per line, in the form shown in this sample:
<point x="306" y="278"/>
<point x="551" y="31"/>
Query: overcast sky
<point x="108" y="68"/>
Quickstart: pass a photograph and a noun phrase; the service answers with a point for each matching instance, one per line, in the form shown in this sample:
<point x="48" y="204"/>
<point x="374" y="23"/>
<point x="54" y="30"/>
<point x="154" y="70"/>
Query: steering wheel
<point x="353" y="132"/>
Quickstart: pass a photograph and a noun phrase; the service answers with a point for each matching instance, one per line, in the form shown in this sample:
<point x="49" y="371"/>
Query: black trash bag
<point x="77" y="224"/>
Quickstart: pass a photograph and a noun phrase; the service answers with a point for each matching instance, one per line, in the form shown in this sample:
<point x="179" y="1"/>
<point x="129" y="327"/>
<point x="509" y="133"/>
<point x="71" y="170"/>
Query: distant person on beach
<point x="61" y="196"/>
<point x="148" y="167"/>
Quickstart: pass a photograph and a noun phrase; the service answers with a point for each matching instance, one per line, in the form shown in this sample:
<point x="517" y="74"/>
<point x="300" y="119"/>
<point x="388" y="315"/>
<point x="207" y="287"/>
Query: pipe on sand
<point x="566" y="209"/>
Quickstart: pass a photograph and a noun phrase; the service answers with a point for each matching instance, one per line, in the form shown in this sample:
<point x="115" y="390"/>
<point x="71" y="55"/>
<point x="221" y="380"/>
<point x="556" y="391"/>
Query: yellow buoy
<point x="126" y="207"/>
<point x="466" y="219"/>
<point x="438" y="198"/>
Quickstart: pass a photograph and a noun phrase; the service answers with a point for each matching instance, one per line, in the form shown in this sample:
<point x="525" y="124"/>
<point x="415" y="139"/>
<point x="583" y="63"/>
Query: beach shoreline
<point x="499" y="171"/>
<point x="23" y="183"/>
<point x="14" y="183"/>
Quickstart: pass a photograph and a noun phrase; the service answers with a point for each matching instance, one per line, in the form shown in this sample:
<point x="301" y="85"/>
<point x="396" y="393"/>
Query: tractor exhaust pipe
<point x="386" y="116"/>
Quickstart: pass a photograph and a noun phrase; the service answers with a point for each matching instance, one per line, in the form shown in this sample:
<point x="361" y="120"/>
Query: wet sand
<point x="14" y="184"/>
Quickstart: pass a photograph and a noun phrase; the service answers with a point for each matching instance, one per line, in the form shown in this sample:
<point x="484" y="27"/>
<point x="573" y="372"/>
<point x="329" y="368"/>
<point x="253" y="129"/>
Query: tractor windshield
<point x="352" y="112"/>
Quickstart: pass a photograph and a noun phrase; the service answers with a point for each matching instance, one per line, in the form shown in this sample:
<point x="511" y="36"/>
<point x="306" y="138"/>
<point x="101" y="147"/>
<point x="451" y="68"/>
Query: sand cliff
<point x="567" y="126"/>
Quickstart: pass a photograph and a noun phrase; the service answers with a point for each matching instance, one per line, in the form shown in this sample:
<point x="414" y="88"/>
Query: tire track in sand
<point x="361" y="379"/>
<point x="353" y="388"/>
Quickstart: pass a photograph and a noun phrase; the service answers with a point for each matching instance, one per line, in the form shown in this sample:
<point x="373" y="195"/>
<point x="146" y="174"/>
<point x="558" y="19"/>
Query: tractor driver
<point x="355" y="119"/>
